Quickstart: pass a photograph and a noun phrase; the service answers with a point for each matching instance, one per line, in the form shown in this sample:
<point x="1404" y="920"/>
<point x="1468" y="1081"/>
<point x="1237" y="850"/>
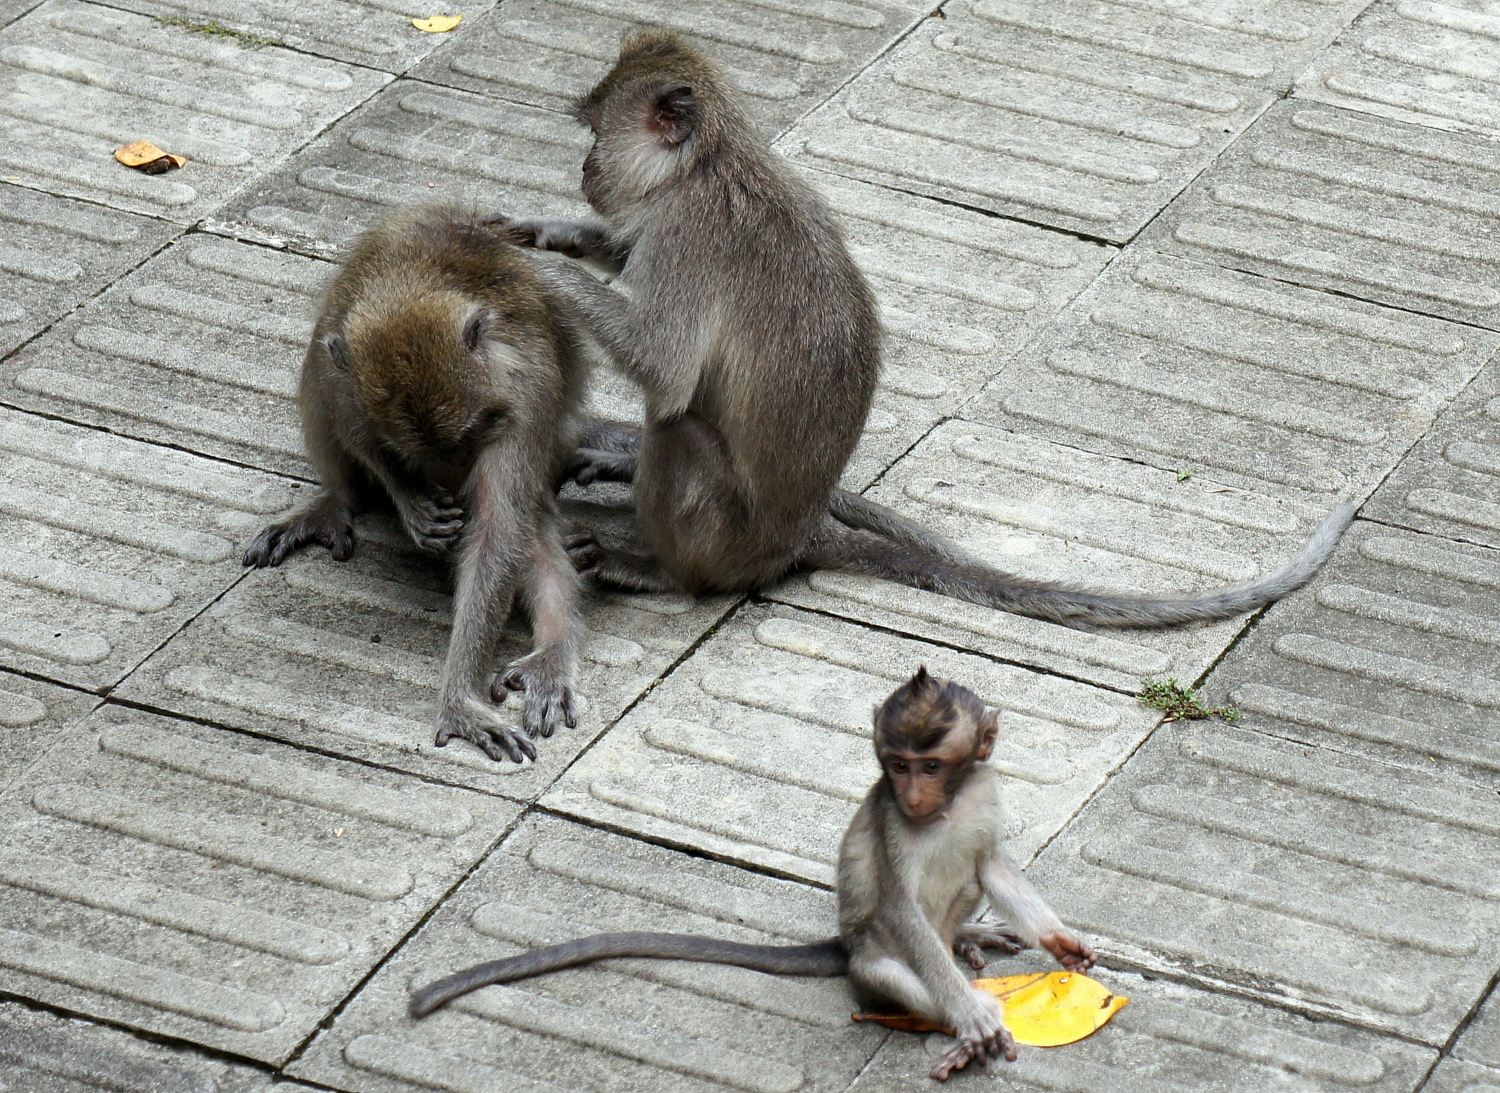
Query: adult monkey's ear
<point x="674" y="114"/>
<point x="338" y="351"/>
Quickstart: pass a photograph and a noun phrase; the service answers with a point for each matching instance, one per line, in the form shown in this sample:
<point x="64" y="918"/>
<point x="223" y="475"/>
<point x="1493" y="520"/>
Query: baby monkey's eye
<point x="932" y="766"/>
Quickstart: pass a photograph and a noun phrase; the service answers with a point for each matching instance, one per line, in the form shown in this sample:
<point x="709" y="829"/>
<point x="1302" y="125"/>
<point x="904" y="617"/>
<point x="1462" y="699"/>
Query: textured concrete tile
<point x="1391" y="652"/>
<point x="617" y="1027"/>
<point x="413" y="142"/>
<point x="1450" y="481"/>
<point x="32" y="715"/>
<point x="1083" y="115"/>
<point x="111" y="544"/>
<point x="1295" y="873"/>
<point x="787" y="57"/>
<point x="1172" y="1037"/>
<point x="347" y="658"/>
<point x="57" y="253"/>
<point x="1377" y="209"/>
<point x="43" y="1053"/>
<point x="1047" y="512"/>
<point x="199" y="348"/>
<point x="79" y="80"/>
<point x="1249" y="381"/>
<point x="1481" y="1040"/>
<point x="1457" y="1076"/>
<point x="757" y="748"/>
<point x="958" y="292"/>
<point x="367" y="32"/>
<point x="214" y="887"/>
<point x="1419" y="61"/>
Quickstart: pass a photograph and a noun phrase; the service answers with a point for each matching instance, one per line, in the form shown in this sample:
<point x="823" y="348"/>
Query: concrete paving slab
<point x="1377" y="209"/>
<point x="1457" y="1076"/>
<point x="958" y="292"/>
<point x="786" y="57"/>
<point x="1048" y="512"/>
<point x="413" y="142"/>
<point x="111" y="544"/>
<point x="199" y="348"/>
<point x="32" y="715"/>
<point x="57" y="253"/>
<point x="1448" y="483"/>
<point x="79" y="80"/>
<point x="376" y="35"/>
<point x="1415" y="60"/>
<point x="617" y="1027"/>
<point x="1298" y="874"/>
<point x="1081" y="115"/>
<point x="347" y="658"/>
<point x="1173" y="1037"/>
<point x="757" y="747"/>
<point x="1480" y="1042"/>
<point x="1248" y="381"/>
<point x="44" y="1053"/>
<point x="1390" y="653"/>
<point x="209" y="886"/>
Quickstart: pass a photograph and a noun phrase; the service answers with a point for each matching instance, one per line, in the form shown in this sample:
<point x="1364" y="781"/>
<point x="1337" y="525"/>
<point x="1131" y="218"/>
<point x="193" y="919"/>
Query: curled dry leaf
<point x="147" y="157"/>
<point x="1043" y="1009"/>
<point x="436" y="24"/>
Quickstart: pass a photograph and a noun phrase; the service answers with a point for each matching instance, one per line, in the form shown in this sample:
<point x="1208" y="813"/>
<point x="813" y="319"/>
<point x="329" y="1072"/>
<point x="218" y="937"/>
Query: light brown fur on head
<point x="920" y="714"/>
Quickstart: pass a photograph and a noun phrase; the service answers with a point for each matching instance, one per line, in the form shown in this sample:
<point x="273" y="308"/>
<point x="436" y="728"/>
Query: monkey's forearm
<point x="1016" y="899"/>
<point x="638" y="348"/>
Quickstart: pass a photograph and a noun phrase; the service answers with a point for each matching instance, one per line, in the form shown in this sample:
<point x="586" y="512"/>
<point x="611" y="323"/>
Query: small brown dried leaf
<point x="147" y="157"/>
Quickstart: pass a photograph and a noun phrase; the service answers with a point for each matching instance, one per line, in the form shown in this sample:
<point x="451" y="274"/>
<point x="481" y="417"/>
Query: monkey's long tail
<point x="855" y="511"/>
<point x="822" y="958"/>
<point x="880" y="555"/>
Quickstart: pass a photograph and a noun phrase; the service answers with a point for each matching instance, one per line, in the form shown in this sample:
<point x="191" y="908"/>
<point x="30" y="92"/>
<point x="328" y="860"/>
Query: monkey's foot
<point x="1071" y="951"/>
<point x="978" y="1047"/>
<point x="328" y="524"/>
<point x="637" y="572"/>
<point x="549" y="699"/>
<point x="485" y="733"/>
<point x="597" y="465"/>
<point x="434" y="522"/>
<point x="974" y="937"/>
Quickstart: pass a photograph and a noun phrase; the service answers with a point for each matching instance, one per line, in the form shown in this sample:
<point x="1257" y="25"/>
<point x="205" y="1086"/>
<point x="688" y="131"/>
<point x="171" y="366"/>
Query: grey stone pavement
<point x="1163" y="281"/>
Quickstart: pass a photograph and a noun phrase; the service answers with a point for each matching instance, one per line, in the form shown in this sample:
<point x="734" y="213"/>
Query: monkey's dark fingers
<point x="955" y="1058"/>
<point x="508" y="682"/>
<point x="1069" y="950"/>
<point x="495" y="741"/>
<point x="583" y="551"/>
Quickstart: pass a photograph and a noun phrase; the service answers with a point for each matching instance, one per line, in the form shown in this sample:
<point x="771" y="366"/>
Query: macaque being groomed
<point x="441" y="376"/>
<point x="922" y="852"/>
<point x="755" y="340"/>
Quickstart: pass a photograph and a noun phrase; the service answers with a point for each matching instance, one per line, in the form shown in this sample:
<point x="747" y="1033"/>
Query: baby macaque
<point x="923" y="851"/>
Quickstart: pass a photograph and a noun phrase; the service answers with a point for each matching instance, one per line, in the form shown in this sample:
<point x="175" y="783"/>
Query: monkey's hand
<point x="472" y="722"/>
<point x="981" y="1037"/>
<point x="434" y="522"/>
<point x="319" y="523"/>
<point x="1069" y="949"/>
<point x="974" y="937"/>
<point x="575" y="238"/>
<point x="549" y="699"/>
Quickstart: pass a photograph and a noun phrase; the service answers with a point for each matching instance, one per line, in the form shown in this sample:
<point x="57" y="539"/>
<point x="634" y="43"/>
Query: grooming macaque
<point x="441" y="377"/>
<point x="921" y="853"/>
<point x="755" y="340"/>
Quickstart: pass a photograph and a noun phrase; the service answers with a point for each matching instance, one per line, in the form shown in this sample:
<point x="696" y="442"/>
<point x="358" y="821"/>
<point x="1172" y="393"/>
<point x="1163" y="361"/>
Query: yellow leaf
<point x="1043" y="1009"/>
<point x="436" y="24"/>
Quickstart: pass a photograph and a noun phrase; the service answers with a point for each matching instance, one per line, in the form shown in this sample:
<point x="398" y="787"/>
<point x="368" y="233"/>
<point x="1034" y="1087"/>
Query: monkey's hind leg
<point x="328" y="519"/>
<point x="887" y="979"/>
<point x="972" y="938"/>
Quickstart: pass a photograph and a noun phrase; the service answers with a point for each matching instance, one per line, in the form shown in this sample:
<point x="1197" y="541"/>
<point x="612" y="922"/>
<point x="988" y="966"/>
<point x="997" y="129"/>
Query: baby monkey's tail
<point x="822" y="958"/>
